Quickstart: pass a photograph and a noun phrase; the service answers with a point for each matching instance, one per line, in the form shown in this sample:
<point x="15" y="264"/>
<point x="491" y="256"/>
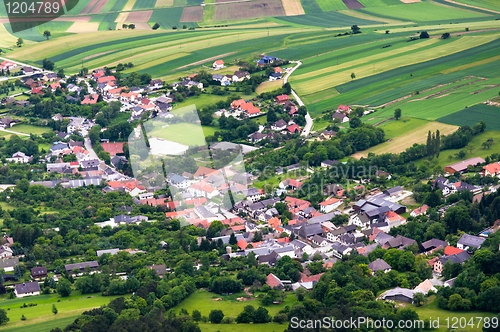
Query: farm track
<point x="471" y="6"/>
<point x="440" y="93"/>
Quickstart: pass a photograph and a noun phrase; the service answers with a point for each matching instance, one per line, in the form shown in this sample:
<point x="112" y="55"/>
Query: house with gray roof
<point x="81" y="266"/>
<point x="399" y="294"/>
<point x="379" y="265"/>
<point x="27" y="289"/>
<point x="107" y="251"/>
<point x="470" y="241"/>
<point x="9" y="264"/>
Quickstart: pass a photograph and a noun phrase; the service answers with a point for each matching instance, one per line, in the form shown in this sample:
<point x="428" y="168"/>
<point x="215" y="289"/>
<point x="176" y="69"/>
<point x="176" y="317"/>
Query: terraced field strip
<point x="83" y="27"/>
<point x="98" y="7"/>
<point x="368" y="17"/>
<point x="474" y="114"/>
<point x="144" y="4"/>
<point x="192" y="14"/>
<point x="122" y="17"/>
<point x="328" y="19"/>
<point x="89" y="7"/>
<point x="139" y="17"/>
<point x="487" y="4"/>
<point x="400" y="143"/>
<point x="331" y="5"/>
<point x="378" y="63"/>
<point x="422" y="12"/>
<point x="119" y="5"/>
<point x="293" y="7"/>
<point x="248" y="10"/>
<point x="129" y="5"/>
<point x="472" y="26"/>
<point x="164" y="45"/>
<point x="6" y="38"/>
<point x="164" y="3"/>
<point x="353" y="4"/>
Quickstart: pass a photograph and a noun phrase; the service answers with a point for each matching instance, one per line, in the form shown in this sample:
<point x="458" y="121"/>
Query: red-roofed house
<point x="330" y="204"/>
<point x="290" y="184"/>
<point x="203" y="172"/>
<point x="37" y="90"/>
<point x="7" y="65"/>
<point x="394" y="219"/>
<point x="432" y="261"/>
<point x="242" y="244"/>
<point x="237" y="103"/>
<point x="419" y="211"/>
<point x="449" y="250"/>
<point x="293" y="129"/>
<point x="278" y="70"/>
<point x="281" y="99"/>
<point x="218" y="64"/>
<point x="106" y="79"/>
<point x="90" y="99"/>
<point x="344" y="109"/>
<point x="492" y="169"/>
<point x="312" y="278"/>
<point x="203" y="189"/>
<point x="274" y="223"/>
<point x="129" y="96"/>
<point x="54" y="86"/>
<point x="273" y="281"/>
<point x="113" y="148"/>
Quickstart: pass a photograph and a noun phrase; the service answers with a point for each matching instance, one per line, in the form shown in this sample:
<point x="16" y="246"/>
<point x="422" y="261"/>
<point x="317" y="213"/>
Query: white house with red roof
<point x="218" y="64"/>
<point x="419" y="211"/>
<point x="492" y="169"/>
<point x="330" y="204"/>
<point x="7" y="65"/>
<point x="281" y="99"/>
<point x="344" y="109"/>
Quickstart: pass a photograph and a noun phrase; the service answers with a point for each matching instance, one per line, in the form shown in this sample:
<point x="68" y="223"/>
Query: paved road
<point x="26" y="65"/>
<point x="89" y="148"/>
<point x="309" y="120"/>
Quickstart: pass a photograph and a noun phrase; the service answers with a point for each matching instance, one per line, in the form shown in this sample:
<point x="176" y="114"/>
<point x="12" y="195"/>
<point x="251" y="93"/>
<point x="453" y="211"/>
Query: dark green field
<point x="471" y="115"/>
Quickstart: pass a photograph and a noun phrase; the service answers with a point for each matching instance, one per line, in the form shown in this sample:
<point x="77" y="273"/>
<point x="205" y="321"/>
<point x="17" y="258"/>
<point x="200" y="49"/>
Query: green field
<point x="431" y="311"/>
<point x="40" y="318"/>
<point x="188" y="134"/>
<point x="144" y="4"/>
<point x="471" y="115"/>
<point x="422" y="12"/>
<point x="329" y="5"/>
<point x="203" y="301"/>
<point x="488" y="4"/>
<point x="29" y="129"/>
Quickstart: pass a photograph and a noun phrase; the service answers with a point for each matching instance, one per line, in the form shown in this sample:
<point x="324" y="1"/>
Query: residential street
<point x="309" y="120"/>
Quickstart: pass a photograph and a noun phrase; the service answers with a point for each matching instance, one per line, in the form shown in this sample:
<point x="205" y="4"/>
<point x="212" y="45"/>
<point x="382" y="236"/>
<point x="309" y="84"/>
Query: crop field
<point x="293" y="7"/>
<point x="325" y="20"/>
<point x="474" y="114"/>
<point x="30" y="129"/>
<point x="139" y="17"/>
<point x="192" y="14"/>
<point x="422" y="12"/>
<point x="164" y="3"/>
<point x="309" y="80"/>
<point x="247" y="10"/>
<point x="311" y="6"/>
<point x="488" y="4"/>
<point x="404" y="139"/>
<point x="331" y="5"/>
<point x="144" y="4"/>
<point x="353" y="4"/>
<point x="167" y="17"/>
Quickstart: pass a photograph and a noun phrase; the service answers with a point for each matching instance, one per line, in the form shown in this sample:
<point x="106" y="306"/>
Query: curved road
<point x="309" y="120"/>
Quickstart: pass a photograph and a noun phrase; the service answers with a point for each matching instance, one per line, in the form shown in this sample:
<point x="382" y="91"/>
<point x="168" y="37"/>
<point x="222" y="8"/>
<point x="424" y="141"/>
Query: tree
<point x="47" y="64"/>
<point x="261" y="316"/>
<point x="424" y="34"/>
<point x="47" y="34"/>
<point x="355" y="29"/>
<point x="54" y="309"/>
<point x="445" y="35"/>
<point x="64" y="287"/>
<point x="216" y="316"/>
<point x="131" y="26"/>
<point x="196" y="315"/>
<point x="353" y="76"/>
<point x="3" y="317"/>
<point x="397" y="113"/>
<point x="156" y="26"/>
<point x="355" y="123"/>
<point x="19" y="42"/>
<point x="438" y="143"/>
<point x="232" y="239"/>
<point x="246" y="316"/>
<point x="418" y="299"/>
<point x="124" y="26"/>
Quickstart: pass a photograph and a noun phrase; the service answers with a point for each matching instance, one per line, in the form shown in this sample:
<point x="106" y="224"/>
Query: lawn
<point x="269" y="86"/>
<point x="406" y="137"/>
<point x="30" y="129"/>
<point x="68" y="308"/>
<point x="474" y="114"/>
<point x="189" y="134"/>
<point x="431" y="311"/>
<point x="203" y="301"/>
<point x="6" y="206"/>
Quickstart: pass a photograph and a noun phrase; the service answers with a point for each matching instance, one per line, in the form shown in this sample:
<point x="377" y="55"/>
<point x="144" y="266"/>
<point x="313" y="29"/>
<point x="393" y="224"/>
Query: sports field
<point x="406" y="135"/>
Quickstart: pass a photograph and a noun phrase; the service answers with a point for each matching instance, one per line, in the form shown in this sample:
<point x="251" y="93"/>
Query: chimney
<point x="228" y="249"/>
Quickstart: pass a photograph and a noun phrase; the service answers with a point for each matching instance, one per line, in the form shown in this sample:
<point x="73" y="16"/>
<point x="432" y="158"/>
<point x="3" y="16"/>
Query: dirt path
<point x="206" y="60"/>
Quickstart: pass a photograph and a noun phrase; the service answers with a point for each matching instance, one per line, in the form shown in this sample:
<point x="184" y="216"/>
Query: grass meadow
<point x="40" y="318"/>
<point x="30" y="129"/>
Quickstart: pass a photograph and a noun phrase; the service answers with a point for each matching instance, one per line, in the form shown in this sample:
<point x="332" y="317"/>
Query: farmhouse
<point x="399" y="294"/>
<point x="81" y="266"/>
<point x="281" y="99"/>
<point x="218" y="64"/>
<point x="379" y="265"/>
<point x="20" y="157"/>
<point x="470" y="241"/>
<point x="330" y="204"/>
<point x="27" y="289"/>
<point x="462" y="166"/>
<point x="340" y="117"/>
<point x="492" y="169"/>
